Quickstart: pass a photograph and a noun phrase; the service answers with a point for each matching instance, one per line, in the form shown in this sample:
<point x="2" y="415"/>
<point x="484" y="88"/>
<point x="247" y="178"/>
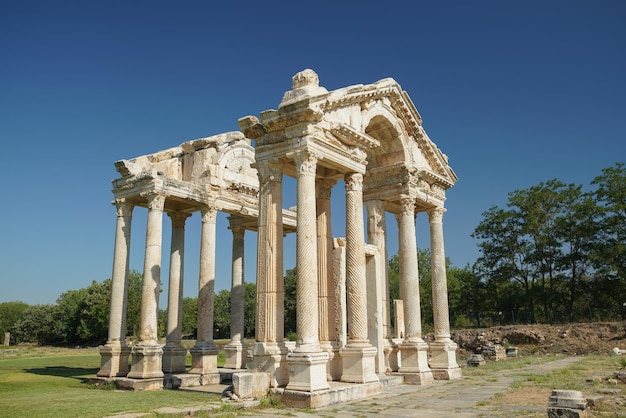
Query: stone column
<point x="443" y="350"/>
<point x="378" y="299"/>
<point x="174" y="353"/>
<point x="269" y="350"/>
<point x="147" y="360"/>
<point x="326" y="285"/>
<point x="236" y="349"/>
<point x="204" y="353"/>
<point x="114" y="354"/>
<point x="358" y="354"/>
<point x="413" y="350"/>
<point x="307" y="363"/>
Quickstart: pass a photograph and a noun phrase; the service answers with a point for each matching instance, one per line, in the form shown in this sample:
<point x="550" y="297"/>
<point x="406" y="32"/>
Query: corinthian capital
<point x="306" y="162"/>
<point x="123" y="207"/>
<point x="408" y="205"/>
<point x="354" y="182"/>
<point x="156" y="201"/>
<point x="435" y="215"/>
<point x="209" y="214"/>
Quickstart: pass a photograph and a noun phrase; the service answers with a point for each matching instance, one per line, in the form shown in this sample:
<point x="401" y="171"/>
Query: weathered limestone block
<point x="475" y="360"/>
<point x="251" y="385"/>
<point x="567" y="404"/>
<point x="493" y="352"/>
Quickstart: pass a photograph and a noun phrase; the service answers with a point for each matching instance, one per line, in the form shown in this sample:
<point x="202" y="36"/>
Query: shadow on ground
<point x="79" y="373"/>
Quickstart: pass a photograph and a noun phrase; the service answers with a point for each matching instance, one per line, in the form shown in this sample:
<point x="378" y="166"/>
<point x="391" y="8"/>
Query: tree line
<point x="555" y="253"/>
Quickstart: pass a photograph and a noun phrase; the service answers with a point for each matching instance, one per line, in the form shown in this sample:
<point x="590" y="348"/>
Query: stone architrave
<point x="413" y="350"/>
<point x="307" y="363"/>
<point x="174" y="353"/>
<point x="114" y="354"/>
<point x="147" y="354"/>
<point x="204" y="353"/>
<point x="326" y="285"/>
<point x="358" y="356"/>
<point x="269" y="351"/>
<point x="443" y="349"/>
<point x="236" y="349"/>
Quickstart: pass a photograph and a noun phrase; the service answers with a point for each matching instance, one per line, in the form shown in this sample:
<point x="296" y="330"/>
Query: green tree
<point x="36" y="325"/>
<point x="290" y="301"/>
<point x="249" y="319"/>
<point x="10" y="313"/>
<point x="610" y="257"/>
<point x="190" y="316"/>
<point x="221" y="319"/>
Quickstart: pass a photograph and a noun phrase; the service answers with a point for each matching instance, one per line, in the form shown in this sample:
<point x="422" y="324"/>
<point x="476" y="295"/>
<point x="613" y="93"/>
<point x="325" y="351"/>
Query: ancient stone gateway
<point x="369" y="136"/>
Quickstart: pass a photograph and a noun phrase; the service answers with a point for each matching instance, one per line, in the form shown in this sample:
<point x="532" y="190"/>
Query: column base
<point x="174" y="358"/>
<point x="359" y="363"/>
<point x="204" y="362"/>
<point x="113" y="359"/>
<point x="307" y="371"/>
<point x="392" y="352"/>
<point x="414" y="362"/>
<point x="235" y="355"/>
<point x="147" y="361"/>
<point x="271" y="357"/>
<point x="443" y="360"/>
<point x="334" y="366"/>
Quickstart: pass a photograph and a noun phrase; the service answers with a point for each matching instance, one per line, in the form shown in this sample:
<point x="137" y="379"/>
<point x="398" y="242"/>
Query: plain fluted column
<point x="174" y="353"/>
<point x="147" y="354"/>
<point x="413" y="350"/>
<point x="443" y="360"/>
<point x="114" y="355"/>
<point x="307" y="364"/>
<point x="235" y="349"/>
<point x="358" y="354"/>
<point x="204" y="353"/>
<point x="269" y="349"/>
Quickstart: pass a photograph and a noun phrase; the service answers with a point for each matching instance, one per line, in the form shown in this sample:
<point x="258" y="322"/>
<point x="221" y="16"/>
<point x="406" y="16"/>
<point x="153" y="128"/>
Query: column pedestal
<point x="443" y="360"/>
<point x="113" y="359"/>
<point x="334" y="368"/>
<point x="174" y="358"/>
<point x="147" y="361"/>
<point x="414" y="363"/>
<point x="204" y="363"/>
<point x="235" y="355"/>
<point x="271" y="358"/>
<point x="358" y="364"/>
<point x="307" y="371"/>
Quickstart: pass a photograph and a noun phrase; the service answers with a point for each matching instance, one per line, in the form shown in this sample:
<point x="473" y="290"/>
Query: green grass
<point x="37" y="382"/>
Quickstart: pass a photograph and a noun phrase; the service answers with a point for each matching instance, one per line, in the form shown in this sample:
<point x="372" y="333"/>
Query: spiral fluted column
<point x="358" y="354"/>
<point x="307" y="363"/>
<point x="443" y="358"/>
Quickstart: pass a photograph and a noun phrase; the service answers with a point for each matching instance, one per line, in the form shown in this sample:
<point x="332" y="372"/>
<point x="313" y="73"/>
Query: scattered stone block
<point x="475" y="360"/>
<point x="493" y="352"/>
<point x="511" y="351"/>
<point x="567" y="404"/>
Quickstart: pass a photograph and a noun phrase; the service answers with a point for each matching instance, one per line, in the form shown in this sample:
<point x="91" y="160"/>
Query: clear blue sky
<point x="514" y="92"/>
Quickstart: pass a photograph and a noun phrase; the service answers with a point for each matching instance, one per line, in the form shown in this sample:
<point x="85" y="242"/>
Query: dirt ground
<point x="568" y="339"/>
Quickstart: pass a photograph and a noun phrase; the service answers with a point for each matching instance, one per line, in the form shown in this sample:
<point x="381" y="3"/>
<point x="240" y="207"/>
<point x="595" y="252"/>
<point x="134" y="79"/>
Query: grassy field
<point x="54" y="382"/>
